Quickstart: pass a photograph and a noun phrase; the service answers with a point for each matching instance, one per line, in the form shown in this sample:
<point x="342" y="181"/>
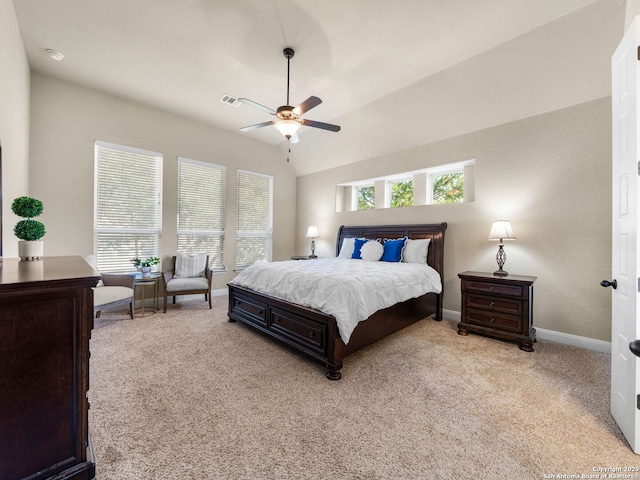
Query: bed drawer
<point x="488" y="319"/>
<point x="300" y="330"/>
<point x="250" y="309"/>
<point x="497" y="304"/>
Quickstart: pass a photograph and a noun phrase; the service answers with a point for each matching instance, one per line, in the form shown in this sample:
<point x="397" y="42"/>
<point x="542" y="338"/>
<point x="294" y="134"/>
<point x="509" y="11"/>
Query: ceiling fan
<point x="289" y="119"/>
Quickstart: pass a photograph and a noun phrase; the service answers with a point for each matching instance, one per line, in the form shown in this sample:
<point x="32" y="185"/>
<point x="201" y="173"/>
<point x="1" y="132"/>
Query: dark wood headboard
<point x="434" y="231"/>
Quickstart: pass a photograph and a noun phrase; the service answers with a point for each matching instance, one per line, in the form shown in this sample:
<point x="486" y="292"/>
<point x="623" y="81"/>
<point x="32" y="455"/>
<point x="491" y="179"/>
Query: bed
<point x="316" y="334"/>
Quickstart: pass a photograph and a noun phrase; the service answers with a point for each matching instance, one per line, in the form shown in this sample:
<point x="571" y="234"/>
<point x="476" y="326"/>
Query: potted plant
<point x="144" y="266"/>
<point x="29" y="231"/>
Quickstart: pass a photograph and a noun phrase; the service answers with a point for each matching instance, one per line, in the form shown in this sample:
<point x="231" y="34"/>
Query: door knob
<point x="635" y="347"/>
<point x="613" y="283"/>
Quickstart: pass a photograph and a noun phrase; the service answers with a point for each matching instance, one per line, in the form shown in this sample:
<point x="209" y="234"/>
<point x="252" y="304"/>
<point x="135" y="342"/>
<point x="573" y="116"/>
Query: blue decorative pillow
<point x="357" y="245"/>
<point x="393" y="250"/>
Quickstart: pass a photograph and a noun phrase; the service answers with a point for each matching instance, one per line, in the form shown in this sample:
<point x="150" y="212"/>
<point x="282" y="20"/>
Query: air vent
<point x="230" y="100"/>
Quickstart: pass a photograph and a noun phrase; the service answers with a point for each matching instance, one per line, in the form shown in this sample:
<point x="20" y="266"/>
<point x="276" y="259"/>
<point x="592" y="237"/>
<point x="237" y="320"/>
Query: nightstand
<point x="499" y="307"/>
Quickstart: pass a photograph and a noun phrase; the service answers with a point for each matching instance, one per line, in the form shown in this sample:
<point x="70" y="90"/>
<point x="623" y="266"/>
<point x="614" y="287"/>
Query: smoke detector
<point x="54" y="54"/>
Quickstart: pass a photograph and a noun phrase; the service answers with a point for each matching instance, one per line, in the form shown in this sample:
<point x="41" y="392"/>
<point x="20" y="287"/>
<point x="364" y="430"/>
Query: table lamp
<point x="312" y="233"/>
<point x="501" y="231"/>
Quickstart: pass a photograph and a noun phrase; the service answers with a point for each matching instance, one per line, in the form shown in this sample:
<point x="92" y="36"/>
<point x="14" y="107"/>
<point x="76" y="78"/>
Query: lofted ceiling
<point x="393" y="73"/>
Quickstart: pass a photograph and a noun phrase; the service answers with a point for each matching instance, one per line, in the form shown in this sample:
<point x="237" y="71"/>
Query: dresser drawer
<point x="302" y="331"/>
<point x="497" y="288"/>
<point x="494" y="304"/>
<point x="251" y="309"/>
<point x="488" y="319"/>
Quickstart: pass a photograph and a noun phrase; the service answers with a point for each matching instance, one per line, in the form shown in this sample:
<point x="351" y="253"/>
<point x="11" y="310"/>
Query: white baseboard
<point x="553" y="336"/>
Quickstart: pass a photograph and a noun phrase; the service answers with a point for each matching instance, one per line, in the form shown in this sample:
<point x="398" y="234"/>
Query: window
<point x="127" y="206"/>
<point x="201" y="211"/>
<point x="255" y="212"/>
<point x="401" y="193"/>
<point x="450" y="183"/>
<point x="366" y="197"/>
<point x="447" y="187"/>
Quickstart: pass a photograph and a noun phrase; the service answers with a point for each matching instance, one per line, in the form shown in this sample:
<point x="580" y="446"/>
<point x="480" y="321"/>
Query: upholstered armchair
<point x="113" y="290"/>
<point x="189" y="275"/>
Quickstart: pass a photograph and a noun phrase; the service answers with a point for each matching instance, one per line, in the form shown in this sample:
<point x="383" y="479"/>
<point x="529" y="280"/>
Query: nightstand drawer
<point x="487" y="319"/>
<point x="493" y="288"/>
<point x="497" y="304"/>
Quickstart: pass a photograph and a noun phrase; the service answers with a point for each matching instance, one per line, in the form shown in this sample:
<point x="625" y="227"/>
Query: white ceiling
<point x="393" y="73"/>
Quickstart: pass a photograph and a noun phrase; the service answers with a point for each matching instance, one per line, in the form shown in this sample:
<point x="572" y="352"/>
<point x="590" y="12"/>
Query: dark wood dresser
<point x="499" y="307"/>
<point x="46" y="315"/>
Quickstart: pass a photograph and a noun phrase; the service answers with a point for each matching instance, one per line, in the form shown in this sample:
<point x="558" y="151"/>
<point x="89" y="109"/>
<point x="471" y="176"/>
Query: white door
<point x="625" y="269"/>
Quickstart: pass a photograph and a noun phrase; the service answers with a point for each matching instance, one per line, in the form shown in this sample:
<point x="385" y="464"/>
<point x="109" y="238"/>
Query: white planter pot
<point x="30" y="250"/>
<point x="146" y="272"/>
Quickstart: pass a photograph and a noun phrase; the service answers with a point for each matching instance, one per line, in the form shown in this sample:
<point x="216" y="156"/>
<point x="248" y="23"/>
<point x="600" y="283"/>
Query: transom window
<point x="451" y="183"/>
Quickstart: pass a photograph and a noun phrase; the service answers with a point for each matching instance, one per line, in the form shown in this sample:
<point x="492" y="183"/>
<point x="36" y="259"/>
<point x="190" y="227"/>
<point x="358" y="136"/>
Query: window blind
<point x="255" y="218"/>
<point x="127" y="206"/>
<point x="201" y="210"/>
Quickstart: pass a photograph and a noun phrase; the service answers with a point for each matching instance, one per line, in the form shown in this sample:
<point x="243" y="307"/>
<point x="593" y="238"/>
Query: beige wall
<point x="549" y="175"/>
<point x="14" y="122"/>
<point x="66" y="120"/>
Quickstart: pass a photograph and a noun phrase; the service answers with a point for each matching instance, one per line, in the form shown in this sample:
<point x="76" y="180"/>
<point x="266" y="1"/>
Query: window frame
<point x="431" y="177"/>
<point x="121" y="262"/>
<point x="215" y="264"/>
<point x="356" y="196"/>
<point x="389" y="186"/>
<point x="266" y="233"/>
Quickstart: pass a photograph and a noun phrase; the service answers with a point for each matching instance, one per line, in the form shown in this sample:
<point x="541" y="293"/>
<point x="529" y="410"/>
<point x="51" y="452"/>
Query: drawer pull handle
<point x="492" y="304"/>
<point x="312" y="334"/>
<point x="492" y="288"/>
<point x="261" y="312"/>
<point x="492" y="320"/>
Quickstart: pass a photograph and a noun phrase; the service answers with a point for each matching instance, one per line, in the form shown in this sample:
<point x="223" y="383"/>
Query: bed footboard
<point x="315" y="334"/>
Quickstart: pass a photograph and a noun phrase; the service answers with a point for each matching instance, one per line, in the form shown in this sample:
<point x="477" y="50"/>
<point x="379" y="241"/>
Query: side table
<point x="499" y="307"/>
<point x="143" y="283"/>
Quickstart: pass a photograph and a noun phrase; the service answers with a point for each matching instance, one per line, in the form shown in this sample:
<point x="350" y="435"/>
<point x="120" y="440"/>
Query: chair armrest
<point x="166" y="276"/>
<point x="208" y="273"/>
<point x="122" y="280"/>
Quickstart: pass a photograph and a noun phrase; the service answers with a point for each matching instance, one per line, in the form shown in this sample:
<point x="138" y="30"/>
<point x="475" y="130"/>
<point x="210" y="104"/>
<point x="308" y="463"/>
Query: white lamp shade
<point x="501" y="230"/>
<point x="312" y="232"/>
<point x="288" y="128"/>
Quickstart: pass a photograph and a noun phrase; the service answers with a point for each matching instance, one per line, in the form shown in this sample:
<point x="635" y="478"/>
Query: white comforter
<point x="349" y="290"/>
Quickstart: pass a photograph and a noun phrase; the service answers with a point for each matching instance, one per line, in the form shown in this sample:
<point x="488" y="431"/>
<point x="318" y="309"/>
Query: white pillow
<point x="372" y="251"/>
<point x="346" y="250"/>
<point x="188" y="266"/>
<point x="415" y="251"/>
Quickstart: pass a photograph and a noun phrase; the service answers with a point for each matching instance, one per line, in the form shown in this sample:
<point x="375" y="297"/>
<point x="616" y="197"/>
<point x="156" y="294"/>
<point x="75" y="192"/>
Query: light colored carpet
<point x="188" y="395"/>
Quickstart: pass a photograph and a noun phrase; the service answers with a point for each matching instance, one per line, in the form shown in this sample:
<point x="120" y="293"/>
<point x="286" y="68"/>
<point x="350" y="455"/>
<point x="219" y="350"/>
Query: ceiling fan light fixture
<point x="288" y="128"/>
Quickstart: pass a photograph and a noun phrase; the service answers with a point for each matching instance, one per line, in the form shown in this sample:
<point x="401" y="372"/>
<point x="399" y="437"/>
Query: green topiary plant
<point x="29" y="229"/>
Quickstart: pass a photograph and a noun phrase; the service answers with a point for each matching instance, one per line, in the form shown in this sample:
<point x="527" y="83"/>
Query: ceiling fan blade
<point x="253" y="104"/>
<point x="257" y="125"/>
<point x="307" y="105"/>
<point x="324" y="126"/>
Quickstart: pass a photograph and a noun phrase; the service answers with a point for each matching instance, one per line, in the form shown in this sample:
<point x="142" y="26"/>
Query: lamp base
<point x="501" y="273"/>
